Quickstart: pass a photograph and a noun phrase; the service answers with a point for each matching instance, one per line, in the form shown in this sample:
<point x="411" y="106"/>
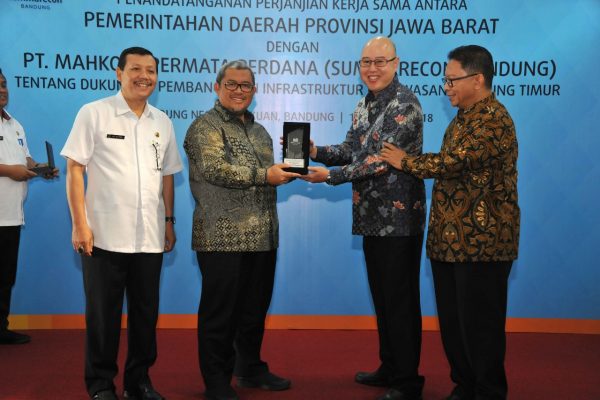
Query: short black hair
<point x="475" y="59"/>
<point x="140" y="51"/>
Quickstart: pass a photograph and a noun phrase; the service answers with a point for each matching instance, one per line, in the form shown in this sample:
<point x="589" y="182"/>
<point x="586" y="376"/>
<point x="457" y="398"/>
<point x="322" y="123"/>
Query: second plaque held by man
<point x="296" y="146"/>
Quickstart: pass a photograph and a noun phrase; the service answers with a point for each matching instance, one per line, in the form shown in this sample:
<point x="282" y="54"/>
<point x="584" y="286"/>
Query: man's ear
<point x="480" y="81"/>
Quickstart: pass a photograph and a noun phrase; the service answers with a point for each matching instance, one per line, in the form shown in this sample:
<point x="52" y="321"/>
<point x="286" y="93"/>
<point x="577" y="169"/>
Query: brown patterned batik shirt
<point x="474" y="207"/>
<point x="235" y="206"/>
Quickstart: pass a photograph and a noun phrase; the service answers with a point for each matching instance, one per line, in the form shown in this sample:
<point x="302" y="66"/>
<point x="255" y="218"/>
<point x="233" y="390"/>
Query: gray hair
<point x="237" y="64"/>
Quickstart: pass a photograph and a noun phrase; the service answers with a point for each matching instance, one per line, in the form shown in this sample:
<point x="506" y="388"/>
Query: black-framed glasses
<point x="233" y="86"/>
<point x="450" y="81"/>
<point x="378" y="62"/>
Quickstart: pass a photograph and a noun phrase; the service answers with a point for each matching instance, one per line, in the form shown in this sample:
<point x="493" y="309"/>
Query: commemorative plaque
<point x="296" y="146"/>
<point x="49" y="167"/>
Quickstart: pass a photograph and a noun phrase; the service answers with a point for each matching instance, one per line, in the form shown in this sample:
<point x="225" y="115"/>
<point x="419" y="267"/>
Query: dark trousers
<point x="393" y="267"/>
<point x="107" y="276"/>
<point x="471" y="305"/>
<point x="236" y="294"/>
<point x="9" y="252"/>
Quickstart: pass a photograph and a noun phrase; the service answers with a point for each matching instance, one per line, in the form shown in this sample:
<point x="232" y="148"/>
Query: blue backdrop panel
<point x="58" y="55"/>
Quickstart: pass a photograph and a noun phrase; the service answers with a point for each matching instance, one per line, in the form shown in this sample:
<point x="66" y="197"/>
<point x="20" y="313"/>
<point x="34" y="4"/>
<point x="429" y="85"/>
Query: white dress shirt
<point x="126" y="158"/>
<point x="13" y="151"/>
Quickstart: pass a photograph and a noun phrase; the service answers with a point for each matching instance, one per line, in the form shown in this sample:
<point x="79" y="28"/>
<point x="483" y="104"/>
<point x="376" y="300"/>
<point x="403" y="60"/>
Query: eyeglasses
<point x="378" y="62"/>
<point x="233" y="86"/>
<point x="450" y="81"/>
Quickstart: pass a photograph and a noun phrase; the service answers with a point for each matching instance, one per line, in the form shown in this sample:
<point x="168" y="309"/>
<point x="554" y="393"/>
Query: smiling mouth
<point x="144" y="84"/>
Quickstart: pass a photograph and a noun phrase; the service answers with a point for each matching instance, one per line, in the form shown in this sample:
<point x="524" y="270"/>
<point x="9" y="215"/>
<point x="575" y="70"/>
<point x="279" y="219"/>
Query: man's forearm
<point x="76" y="193"/>
<point x="168" y="194"/>
<point x="5" y="170"/>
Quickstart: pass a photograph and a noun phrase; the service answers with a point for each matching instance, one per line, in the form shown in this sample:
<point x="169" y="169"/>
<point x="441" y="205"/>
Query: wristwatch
<point x="170" y="219"/>
<point x="328" y="179"/>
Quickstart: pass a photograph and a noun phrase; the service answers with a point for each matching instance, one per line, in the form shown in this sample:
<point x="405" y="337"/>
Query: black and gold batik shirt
<point x="235" y="206"/>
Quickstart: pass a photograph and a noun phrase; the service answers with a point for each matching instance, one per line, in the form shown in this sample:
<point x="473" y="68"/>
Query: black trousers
<point x="471" y="304"/>
<point x="236" y="294"/>
<point x="107" y="276"/>
<point x="9" y="252"/>
<point x="393" y="268"/>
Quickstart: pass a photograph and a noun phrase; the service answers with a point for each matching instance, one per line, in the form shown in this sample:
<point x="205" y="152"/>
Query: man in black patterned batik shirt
<point x="235" y="234"/>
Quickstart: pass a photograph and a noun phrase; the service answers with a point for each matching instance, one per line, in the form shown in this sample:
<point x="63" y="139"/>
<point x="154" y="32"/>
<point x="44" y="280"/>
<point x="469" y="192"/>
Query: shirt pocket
<point x="116" y="149"/>
<point x="154" y="153"/>
<point x="12" y="151"/>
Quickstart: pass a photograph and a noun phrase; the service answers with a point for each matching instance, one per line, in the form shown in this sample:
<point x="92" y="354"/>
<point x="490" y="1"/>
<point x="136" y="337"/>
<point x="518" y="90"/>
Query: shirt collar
<point x="5" y="115"/>
<point x="123" y="108"/>
<point x="475" y="108"/>
<point x="388" y="93"/>
<point x="229" y="116"/>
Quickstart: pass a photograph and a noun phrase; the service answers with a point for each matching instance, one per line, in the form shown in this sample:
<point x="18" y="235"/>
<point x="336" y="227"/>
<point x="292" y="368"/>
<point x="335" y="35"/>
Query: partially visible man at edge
<point x="15" y="164"/>
<point x="123" y="222"/>
<point x="473" y="234"/>
<point x="388" y="211"/>
<point x="235" y="234"/>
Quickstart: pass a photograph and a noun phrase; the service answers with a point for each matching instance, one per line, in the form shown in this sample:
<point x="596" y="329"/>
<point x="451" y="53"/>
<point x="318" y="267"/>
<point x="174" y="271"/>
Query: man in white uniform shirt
<point x="15" y="162"/>
<point x="123" y="222"/>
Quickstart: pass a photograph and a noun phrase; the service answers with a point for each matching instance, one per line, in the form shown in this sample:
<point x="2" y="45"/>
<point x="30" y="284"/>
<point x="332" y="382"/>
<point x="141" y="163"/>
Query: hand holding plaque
<point x="296" y="146"/>
<point x="47" y="170"/>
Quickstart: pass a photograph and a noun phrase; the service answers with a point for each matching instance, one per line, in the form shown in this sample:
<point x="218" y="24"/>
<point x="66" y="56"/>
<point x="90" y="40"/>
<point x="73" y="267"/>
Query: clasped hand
<point x="392" y="155"/>
<point x="20" y="173"/>
<point x="316" y="175"/>
<point x="277" y="176"/>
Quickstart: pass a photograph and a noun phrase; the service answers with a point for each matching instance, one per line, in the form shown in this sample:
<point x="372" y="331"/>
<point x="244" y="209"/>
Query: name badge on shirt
<point x="115" y="136"/>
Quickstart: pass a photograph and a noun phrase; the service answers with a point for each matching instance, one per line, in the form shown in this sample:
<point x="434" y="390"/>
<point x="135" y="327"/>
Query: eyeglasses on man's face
<point x="244" y="86"/>
<point x="378" y="62"/>
<point x="450" y="81"/>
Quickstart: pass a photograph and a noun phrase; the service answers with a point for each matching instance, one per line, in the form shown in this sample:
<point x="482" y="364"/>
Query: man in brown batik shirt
<point x="473" y="232"/>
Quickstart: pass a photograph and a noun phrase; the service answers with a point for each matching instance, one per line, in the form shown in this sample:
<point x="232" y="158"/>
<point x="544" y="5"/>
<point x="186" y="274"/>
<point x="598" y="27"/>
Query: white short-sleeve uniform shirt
<point x="13" y="151"/>
<point x="126" y="158"/>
